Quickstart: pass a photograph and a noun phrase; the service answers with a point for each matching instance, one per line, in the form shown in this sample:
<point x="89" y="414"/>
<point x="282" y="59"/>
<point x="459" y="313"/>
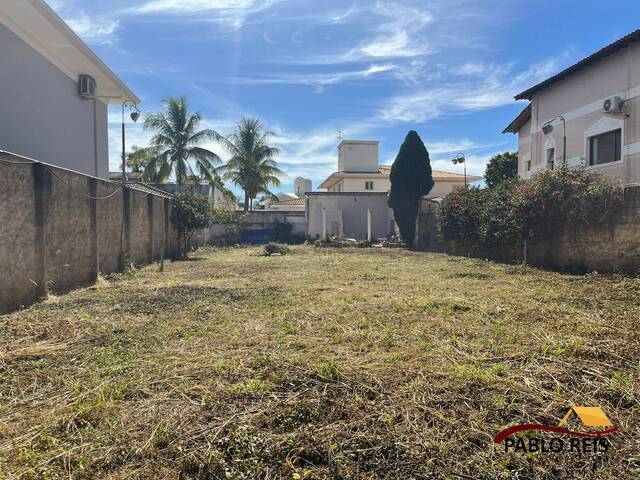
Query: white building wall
<point x="346" y="214"/>
<point x="358" y="156"/>
<point x="301" y="186"/>
<point x="380" y="184"/>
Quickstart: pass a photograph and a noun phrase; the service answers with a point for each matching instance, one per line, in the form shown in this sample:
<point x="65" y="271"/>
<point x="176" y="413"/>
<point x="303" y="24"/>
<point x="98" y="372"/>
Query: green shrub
<point x="519" y="209"/>
<point x="191" y="212"/>
<point x="275" y="248"/>
<point x="460" y="215"/>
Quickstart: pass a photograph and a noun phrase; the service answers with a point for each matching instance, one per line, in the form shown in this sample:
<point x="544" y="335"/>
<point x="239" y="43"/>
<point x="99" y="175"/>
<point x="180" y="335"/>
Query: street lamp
<point x="547" y="128"/>
<point x="135" y="116"/>
<point x="460" y="158"/>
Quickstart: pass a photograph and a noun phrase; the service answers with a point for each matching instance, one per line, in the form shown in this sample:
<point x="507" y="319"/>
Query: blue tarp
<point x="256" y="237"/>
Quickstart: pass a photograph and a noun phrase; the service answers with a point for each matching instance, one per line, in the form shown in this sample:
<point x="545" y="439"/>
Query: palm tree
<point x="174" y="148"/>
<point x="252" y="165"/>
<point x="143" y="160"/>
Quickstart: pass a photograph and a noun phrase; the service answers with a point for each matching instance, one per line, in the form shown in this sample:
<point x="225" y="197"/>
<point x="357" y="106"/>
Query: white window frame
<point x="549" y="144"/>
<point x="604" y="125"/>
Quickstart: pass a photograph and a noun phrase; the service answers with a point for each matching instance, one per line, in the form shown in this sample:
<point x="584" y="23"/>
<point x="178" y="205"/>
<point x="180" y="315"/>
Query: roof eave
<point x="582" y="64"/>
<point x="517" y="123"/>
<point x="75" y="39"/>
<point x="25" y="17"/>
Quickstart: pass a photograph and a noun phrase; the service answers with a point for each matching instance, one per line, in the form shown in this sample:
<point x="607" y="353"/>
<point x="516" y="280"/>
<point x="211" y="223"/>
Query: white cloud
<point x="96" y="30"/>
<point x="450" y="97"/>
<point x="318" y="80"/>
<point x="399" y="45"/>
<point x="231" y="13"/>
<point x="457" y="146"/>
<point x="398" y="32"/>
<point x="342" y="17"/>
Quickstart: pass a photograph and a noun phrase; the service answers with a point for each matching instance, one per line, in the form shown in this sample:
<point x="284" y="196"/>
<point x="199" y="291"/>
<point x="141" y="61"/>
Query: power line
<point x="90" y="197"/>
<point x="13" y="162"/>
<point x="82" y="193"/>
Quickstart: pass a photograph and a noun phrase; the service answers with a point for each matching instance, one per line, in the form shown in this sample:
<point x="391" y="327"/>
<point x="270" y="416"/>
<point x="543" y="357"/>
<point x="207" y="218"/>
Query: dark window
<point x="368" y="185"/>
<point x="605" y="148"/>
<point x="551" y="156"/>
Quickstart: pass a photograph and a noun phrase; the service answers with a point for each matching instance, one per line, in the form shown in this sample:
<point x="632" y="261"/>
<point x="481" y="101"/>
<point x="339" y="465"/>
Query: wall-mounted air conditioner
<point x="613" y="105"/>
<point x="87" y="86"/>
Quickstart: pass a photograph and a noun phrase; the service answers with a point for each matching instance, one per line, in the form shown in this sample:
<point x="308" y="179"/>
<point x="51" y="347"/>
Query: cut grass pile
<point x="320" y="364"/>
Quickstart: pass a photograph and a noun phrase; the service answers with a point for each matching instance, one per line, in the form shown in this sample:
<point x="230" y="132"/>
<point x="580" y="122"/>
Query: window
<point x="605" y="148"/>
<point x="368" y="185"/>
<point x="551" y="156"/>
<point x="528" y="163"/>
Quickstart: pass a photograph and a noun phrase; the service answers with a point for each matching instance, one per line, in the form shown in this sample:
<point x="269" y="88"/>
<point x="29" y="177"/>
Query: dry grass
<point x="341" y="364"/>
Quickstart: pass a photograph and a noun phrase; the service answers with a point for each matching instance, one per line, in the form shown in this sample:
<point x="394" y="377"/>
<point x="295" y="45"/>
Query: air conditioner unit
<point x="87" y="86"/>
<point x="613" y="105"/>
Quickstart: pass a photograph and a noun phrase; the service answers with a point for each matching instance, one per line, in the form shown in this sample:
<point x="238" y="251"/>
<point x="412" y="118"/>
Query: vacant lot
<point x="319" y="364"/>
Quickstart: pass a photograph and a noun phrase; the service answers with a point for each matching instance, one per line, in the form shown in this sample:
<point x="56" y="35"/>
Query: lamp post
<point x="460" y="158"/>
<point x="547" y="128"/>
<point x="135" y="115"/>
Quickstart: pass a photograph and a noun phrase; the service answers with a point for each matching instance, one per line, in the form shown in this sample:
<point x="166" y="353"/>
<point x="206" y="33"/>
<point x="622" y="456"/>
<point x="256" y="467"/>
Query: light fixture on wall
<point x="547" y="128"/>
<point x="135" y="116"/>
<point x="460" y="158"/>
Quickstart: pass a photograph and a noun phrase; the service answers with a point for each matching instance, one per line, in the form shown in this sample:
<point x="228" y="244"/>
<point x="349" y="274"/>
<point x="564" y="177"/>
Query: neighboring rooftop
<point x="295" y="201"/>
<point x="519" y="121"/>
<point x="359" y="142"/>
<point x="437" y="174"/>
<point x="148" y="189"/>
<point x="385" y="171"/>
<point x="582" y="64"/>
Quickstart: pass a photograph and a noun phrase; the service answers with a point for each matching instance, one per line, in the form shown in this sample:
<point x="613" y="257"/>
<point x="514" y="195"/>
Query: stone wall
<point x="609" y="247"/>
<point x="59" y="229"/>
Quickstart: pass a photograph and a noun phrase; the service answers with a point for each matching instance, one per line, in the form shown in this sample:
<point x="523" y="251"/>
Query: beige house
<point x="359" y="171"/>
<point x="355" y="202"/>
<point x="598" y="101"/>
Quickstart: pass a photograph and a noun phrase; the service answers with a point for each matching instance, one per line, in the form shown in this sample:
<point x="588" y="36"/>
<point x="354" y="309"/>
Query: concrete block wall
<point x="110" y="213"/>
<point x="59" y="229"/>
<point x="609" y="247"/>
<point x="17" y="237"/>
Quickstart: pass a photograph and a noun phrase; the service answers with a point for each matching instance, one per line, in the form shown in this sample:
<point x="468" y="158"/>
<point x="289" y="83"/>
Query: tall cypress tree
<point x="411" y="179"/>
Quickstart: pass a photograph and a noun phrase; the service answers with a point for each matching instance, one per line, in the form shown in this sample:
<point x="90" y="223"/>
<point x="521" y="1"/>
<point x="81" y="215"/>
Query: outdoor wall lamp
<point x="547" y="128"/>
<point x="460" y="158"/>
<point x="135" y="116"/>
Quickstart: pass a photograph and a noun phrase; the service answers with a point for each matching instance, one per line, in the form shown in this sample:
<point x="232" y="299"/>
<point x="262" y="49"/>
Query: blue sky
<point x="371" y="69"/>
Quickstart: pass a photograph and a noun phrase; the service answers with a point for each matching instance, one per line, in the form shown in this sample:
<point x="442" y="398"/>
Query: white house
<point x="598" y="100"/>
<point x="47" y="112"/>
